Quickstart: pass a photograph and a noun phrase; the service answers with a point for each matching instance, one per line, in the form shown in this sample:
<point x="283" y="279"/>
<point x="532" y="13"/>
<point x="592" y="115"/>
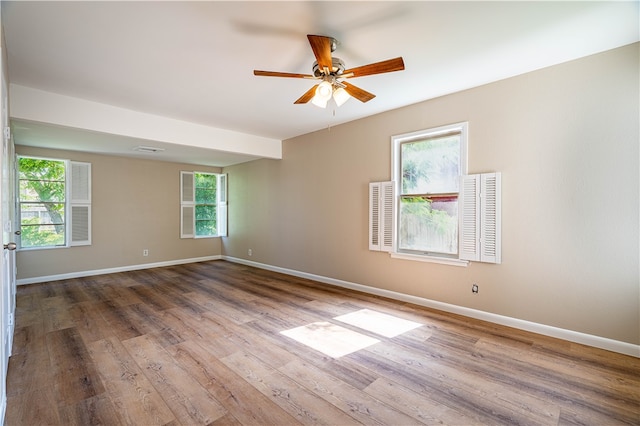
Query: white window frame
<point x="77" y="211"/>
<point x="396" y="142"/>
<point x="188" y="205"/>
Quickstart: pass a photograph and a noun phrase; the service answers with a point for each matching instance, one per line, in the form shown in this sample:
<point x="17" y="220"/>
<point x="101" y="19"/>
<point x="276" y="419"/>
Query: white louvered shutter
<point x="470" y="218"/>
<point x="388" y="217"/>
<point x="187" y="205"/>
<point x="480" y="218"/>
<point x="222" y="205"/>
<point x="381" y="216"/>
<point x="80" y="204"/>
<point x="490" y="190"/>
<point x="374" y="216"/>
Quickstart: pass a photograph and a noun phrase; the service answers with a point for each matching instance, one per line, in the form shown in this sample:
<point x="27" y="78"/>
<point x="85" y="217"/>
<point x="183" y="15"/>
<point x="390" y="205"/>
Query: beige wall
<point x="135" y="206"/>
<point x="566" y="140"/>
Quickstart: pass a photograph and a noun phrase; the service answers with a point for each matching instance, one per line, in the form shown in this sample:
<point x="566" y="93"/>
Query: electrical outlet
<point x="250" y="252"/>
<point x="145" y="252"/>
<point x="475" y="289"/>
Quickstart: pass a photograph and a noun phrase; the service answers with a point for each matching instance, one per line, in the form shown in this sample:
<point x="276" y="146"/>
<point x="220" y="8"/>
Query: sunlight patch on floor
<point x="330" y="339"/>
<point x="379" y="323"/>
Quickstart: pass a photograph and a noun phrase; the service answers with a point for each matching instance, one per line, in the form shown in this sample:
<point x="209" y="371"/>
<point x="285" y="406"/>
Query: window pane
<point x="205" y="212"/>
<point x="41" y="169"/>
<point x="205" y="196"/>
<point x="205" y="188"/>
<point x="42" y="235"/>
<point x="205" y="228"/>
<point x="205" y="180"/>
<point x="40" y="190"/>
<point x="429" y="225"/>
<point x="431" y="166"/>
<point x="42" y="213"/>
<point x="205" y="220"/>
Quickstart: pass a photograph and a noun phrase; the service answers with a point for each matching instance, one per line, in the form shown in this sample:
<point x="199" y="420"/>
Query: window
<point x="203" y="205"/>
<point x="427" y="169"/>
<point x="432" y="211"/>
<point x="54" y="198"/>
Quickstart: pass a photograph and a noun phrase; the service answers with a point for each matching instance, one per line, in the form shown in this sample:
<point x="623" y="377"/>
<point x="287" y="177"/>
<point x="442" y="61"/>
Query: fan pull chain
<point x="333" y="113"/>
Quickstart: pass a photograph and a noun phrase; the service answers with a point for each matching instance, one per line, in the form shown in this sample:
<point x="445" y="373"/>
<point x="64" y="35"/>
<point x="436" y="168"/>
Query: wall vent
<point x="143" y="148"/>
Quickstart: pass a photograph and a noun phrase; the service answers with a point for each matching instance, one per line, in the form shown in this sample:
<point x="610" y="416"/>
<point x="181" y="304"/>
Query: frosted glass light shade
<point x="323" y="94"/>
<point x="340" y="96"/>
<point x="323" y="91"/>
<point x="322" y="103"/>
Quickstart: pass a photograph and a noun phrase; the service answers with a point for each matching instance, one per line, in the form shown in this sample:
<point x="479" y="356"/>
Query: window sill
<point x="429" y="259"/>
<point x="19" y="249"/>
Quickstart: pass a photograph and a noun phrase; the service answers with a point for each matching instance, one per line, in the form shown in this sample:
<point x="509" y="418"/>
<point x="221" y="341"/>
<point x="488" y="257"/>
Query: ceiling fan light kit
<point x="340" y="96"/>
<point x="324" y="90"/>
<point x="322" y="94"/>
<point x="332" y="72"/>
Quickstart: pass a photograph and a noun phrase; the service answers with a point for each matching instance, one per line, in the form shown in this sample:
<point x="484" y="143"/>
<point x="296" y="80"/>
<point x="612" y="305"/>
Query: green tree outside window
<point x="206" y="220"/>
<point x="42" y="196"/>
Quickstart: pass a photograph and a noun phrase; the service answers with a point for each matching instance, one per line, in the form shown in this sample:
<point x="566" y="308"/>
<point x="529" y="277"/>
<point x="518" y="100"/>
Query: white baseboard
<point x="80" y="274"/>
<point x="560" y="333"/>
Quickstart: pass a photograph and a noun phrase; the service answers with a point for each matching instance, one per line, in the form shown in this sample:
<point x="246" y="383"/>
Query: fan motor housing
<point x="337" y="68"/>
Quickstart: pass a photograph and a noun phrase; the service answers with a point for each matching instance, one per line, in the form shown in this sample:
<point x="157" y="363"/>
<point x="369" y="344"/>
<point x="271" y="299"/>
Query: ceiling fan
<point x="332" y="72"/>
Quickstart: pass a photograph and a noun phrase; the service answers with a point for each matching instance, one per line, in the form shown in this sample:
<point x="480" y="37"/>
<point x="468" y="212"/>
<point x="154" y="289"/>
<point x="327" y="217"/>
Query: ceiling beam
<point x="45" y="107"/>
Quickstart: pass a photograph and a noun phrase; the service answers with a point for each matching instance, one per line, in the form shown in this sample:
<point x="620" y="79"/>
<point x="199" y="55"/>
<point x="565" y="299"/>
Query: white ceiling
<point x="193" y="61"/>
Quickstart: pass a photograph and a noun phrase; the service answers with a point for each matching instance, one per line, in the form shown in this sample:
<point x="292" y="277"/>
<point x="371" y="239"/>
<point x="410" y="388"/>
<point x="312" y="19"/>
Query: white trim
<point x="429" y="259"/>
<point x="47" y="278"/>
<point x="547" y="330"/>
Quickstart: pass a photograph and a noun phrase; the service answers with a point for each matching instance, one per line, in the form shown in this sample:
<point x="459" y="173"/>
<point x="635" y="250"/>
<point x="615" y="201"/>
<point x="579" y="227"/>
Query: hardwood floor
<point x="202" y="344"/>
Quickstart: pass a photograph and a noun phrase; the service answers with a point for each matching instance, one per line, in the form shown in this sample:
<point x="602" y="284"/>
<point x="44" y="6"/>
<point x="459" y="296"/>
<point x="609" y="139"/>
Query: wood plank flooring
<point x="200" y="344"/>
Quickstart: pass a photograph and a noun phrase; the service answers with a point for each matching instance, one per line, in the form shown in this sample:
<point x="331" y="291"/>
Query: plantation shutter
<point x="222" y="205"/>
<point x="470" y="218"/>
<point x="381" y="216"/>
<point x="187" y="205"/>
<point x="490" y="189"/>
<point x="80" y="204"/>
<point x="480" y="218"/>
<point x="374" y="216"/>
<point x="388" y="221"/>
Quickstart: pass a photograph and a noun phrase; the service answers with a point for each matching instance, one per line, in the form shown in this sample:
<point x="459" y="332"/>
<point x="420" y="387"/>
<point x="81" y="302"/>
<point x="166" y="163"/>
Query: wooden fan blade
<point x="358" y="93"/>
<point x="321" y="47"/>
<point x="396" y="64"/>
<point x="308" y="95"/>
<point x="281" y="74"/>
